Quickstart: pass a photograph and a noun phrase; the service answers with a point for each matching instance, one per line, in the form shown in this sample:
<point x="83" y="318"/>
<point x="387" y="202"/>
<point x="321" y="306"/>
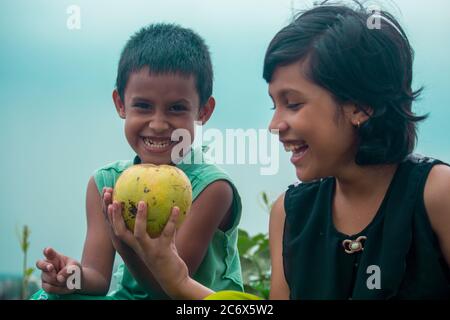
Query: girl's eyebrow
<point x="285" y="92"/>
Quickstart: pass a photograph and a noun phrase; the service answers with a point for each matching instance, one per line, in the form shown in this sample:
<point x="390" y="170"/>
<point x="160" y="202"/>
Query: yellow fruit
<point x="160" y="187"/>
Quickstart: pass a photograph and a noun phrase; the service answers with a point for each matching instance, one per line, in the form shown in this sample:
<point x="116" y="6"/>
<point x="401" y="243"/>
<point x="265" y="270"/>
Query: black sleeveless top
<point x="401" y="258"/>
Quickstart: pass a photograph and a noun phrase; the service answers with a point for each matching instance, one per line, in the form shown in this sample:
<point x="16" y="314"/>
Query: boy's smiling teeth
<point x="156" y="144"/>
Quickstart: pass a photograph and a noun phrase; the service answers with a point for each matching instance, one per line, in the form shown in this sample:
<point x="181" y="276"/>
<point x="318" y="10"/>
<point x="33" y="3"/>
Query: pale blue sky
<point x="58" y="122"/>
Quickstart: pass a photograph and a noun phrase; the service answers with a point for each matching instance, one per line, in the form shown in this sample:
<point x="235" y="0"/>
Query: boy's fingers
<point x="118" y="225"/>
<point x="140" y="226"/>
<point x="53" y="257"/>
<point x="49" y="288"/>
<point x="44" y="266"/>
<point x="110" y="216"/>
<point x="50" y="278"/>
<point x="168" y="233"/>
<point x="50" y="253"/>
<point x="63" y="275"/>
<point x="107" y="199"/>
<point x="106" y="202"/>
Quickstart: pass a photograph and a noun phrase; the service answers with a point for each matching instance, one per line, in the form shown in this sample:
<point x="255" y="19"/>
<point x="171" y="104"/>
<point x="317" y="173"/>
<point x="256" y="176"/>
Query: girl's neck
<point x="360" y="181"/>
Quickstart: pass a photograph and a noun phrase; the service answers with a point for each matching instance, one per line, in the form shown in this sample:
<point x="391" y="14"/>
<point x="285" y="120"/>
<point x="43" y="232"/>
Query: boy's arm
<point x="211" y="210"/>
<point x="97" y="260"/>
<point x="98" y="254"/>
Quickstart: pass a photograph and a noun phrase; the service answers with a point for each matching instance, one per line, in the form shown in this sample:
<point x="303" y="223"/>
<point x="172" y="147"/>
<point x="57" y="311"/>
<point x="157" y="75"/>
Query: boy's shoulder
<point x="202" y="175"/>
<point x="107" y="175"/>
<point x="202" y="171"/>
<point x="200" y="167"/>
<point x="118" y="166"/>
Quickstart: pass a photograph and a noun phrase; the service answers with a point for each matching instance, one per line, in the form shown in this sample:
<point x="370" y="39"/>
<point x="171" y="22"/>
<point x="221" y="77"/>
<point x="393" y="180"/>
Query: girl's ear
<point x="120" y="106"/>
<point x="206" y="110"/>
<point x="357" y="115"/>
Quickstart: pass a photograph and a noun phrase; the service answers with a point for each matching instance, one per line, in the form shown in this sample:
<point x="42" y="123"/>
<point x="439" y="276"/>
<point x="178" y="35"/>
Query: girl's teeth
<point x="294" y="147"/>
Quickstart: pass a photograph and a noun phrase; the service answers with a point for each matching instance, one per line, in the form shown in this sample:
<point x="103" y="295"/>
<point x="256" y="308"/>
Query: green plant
<point x="27" y="272"/>
<point x="255" y="257"/>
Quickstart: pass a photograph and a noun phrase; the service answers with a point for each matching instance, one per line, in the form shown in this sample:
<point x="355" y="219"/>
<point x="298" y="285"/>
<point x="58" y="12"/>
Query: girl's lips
<point x="299" y="154"/>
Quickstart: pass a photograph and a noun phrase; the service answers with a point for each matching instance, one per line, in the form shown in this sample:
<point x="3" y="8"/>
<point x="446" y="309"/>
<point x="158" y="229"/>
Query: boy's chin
<point x="156" y="159"/>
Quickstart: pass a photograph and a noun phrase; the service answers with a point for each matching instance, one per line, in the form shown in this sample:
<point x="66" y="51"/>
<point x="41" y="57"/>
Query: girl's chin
<point x="304" y="175"/>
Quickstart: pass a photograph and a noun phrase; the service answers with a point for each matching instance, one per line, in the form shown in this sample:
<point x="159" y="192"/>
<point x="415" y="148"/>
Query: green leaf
<point x="29" y="272"/>
<point x="245" y="243"/>
<point x="249" y="270"/>
<point x="243" y="233"/>
<point x="265" y="198"/>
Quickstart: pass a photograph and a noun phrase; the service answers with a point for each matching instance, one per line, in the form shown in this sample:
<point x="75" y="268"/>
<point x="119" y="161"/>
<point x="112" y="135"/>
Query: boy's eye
<point x="178" y="108"/>
<point x="142" y="105"/>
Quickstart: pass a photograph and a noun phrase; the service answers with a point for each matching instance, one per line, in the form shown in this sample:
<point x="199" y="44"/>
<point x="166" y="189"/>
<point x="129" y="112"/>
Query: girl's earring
<point x="358" y="125"/>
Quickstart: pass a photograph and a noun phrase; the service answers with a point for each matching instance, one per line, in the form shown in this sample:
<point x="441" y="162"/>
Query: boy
<point x="164" y="83"/>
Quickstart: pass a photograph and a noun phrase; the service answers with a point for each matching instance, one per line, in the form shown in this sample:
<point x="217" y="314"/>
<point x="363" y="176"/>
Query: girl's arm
<point x="279" y="289"/>
<point x="437" y="204"/>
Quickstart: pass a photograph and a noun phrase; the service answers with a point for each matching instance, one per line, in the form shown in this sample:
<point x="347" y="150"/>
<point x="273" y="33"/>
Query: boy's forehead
<point x="144" y="82"/>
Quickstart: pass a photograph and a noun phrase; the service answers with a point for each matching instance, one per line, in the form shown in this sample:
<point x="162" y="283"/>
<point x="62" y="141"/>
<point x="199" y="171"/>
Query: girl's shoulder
<point x="307" y="190"/>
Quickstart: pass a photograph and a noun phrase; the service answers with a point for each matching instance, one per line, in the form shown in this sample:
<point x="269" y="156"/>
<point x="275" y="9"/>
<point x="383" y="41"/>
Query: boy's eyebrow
<point x="141" y="99"/>
<point x="182" y="100"/>
<point x="134" y="99"/>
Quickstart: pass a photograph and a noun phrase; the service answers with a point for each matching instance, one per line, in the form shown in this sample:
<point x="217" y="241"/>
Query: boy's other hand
<point x="106" y="200"/>
<point x="55" y="271"/>
<point x="159" y="254"/>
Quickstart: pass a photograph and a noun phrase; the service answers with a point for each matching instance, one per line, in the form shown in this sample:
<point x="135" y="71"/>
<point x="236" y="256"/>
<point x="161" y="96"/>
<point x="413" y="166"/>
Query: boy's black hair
<point x="371" y="68"/>
<point x="167" y="48"/>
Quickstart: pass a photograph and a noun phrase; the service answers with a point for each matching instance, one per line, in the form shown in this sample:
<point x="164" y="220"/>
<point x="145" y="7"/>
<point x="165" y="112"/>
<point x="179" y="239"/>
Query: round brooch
<point x="352" y="246"/>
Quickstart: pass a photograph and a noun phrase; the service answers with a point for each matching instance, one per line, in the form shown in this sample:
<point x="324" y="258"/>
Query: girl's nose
<point x="277" y="124"/>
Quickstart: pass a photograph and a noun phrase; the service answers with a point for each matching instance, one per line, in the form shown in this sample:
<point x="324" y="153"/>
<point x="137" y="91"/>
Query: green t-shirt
<point x="220" y="268"/>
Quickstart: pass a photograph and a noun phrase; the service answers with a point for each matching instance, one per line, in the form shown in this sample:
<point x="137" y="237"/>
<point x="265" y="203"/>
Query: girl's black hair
<point x="369" y="67"/>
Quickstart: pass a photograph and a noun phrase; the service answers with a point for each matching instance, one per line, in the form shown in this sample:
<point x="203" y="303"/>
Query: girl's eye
<point x="294" y="105"/>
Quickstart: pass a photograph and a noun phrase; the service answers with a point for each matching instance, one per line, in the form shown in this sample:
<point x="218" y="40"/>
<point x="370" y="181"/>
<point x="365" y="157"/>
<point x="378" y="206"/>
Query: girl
<point x="370" y="220"/>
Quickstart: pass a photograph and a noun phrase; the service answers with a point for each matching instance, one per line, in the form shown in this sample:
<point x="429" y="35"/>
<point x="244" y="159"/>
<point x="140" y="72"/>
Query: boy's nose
<point x="158" y="125"/>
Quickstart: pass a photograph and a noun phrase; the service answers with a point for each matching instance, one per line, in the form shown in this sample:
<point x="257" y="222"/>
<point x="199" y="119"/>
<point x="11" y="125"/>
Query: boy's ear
<point x="120" y="106"/>
<point x="207" y="110"/>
